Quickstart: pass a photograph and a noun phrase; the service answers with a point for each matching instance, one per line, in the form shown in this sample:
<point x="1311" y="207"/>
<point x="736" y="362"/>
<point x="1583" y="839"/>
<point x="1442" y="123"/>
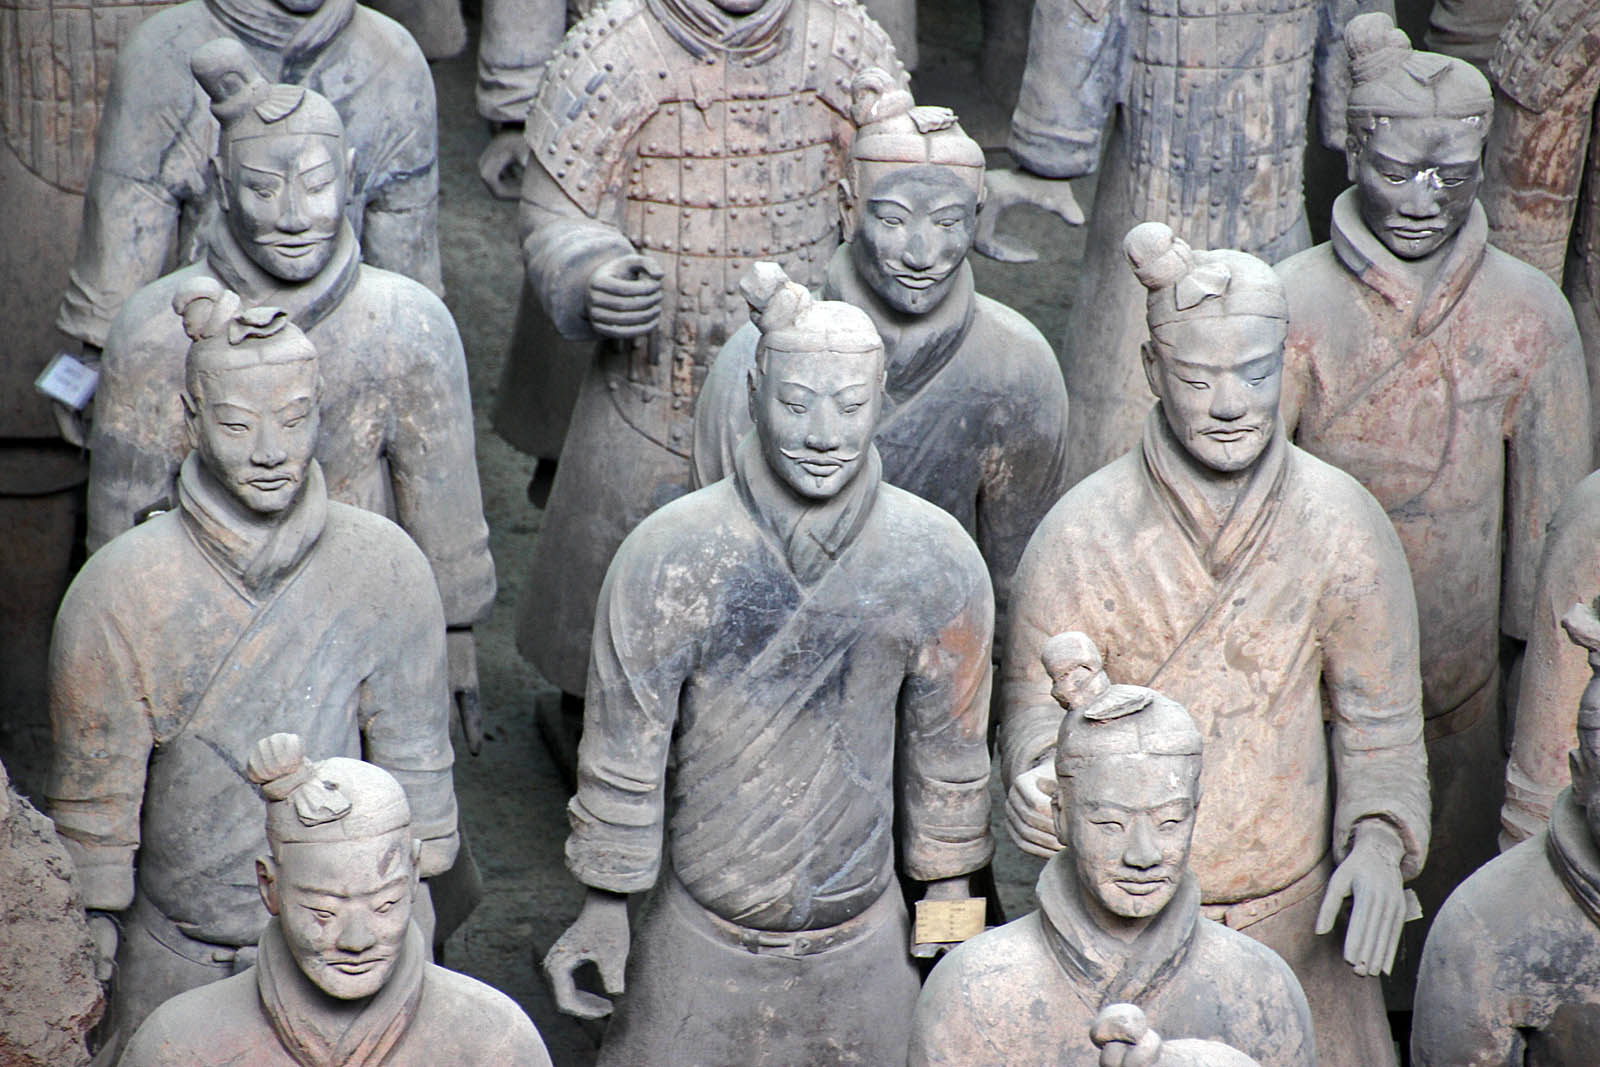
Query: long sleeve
<point x="1070" y="85"/>
<point x="103" y="735"/>
<point x="1030" y="718"/>
<point x="149" y="161"/>
<point x="1548" y="451"/>
<point x="561" y="247"/>
<point x="1372" y="680"/>
<point x="519" y="37"/>
<point x="942" y="764"/>
<point x="400" y="221"/>
<point x="1333" y="63"/>
<point x="637" y="666"/>
<point x="404" y="708"/>
<point x="433" y="467"/>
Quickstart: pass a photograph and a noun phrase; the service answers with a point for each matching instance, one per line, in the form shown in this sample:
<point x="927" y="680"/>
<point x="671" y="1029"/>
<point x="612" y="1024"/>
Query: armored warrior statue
<point x="1119" y="919"/>
<point x="1448" y="378"/>
<point x="1511" y="971"/>
<point x="397" y="434"/>
<point x="151" y="185"/>
<point x="343" y="977"/>
<point x="1541" y="184"/>
<point x="1267" y="591"/>
<point x="1468" y="29"/>
<point x="677" y="142"/>
<point x="807" y="647"/>
<point x="976" y="414"/>
<point x="1206" y="104"/>
<point x="256" y="602"/>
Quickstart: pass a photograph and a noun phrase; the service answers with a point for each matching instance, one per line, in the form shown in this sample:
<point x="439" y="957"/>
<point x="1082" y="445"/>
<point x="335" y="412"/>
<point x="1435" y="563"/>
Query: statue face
<point x="285" y="200"/>
<point x="911" y="235"/>
<point x="1127" y="821"/>
<point x="344" y="908"/>
<point x="1417" y="180"/>
<point x="255" y="428"/>
<point x="815" y="413"/>
<point x="1219" y="380"/>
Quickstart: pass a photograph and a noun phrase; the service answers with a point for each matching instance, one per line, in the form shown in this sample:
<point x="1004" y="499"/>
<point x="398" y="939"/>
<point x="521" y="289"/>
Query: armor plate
<point x="1216" y="116"/>
<point x="1544" y="49"/>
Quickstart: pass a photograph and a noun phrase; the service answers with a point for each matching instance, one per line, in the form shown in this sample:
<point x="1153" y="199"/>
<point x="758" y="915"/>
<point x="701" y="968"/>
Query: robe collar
<point x="1115" y="970"/>
<point x="307" y="303"/>
<point x="297" y="39"/>
<point x="318" y="1031"/>
<point x="256" y="555"/>
<point x="1573" y="854"/>
<point x="1174" y="476"/>
<point x="917" y="347"/>
<point x="812" y="536"/>
<point x="704" y="29"/>
<point x="1363" y="255"/>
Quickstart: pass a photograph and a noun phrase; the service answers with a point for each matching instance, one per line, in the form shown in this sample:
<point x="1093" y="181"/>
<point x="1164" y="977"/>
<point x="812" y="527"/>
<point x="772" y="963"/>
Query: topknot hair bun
<point x="279" y="766"/>
<point x="1375" y="46"/>
<point x="206" y="306"/>
<point x="874" y="97"/>
<point x="776" y="302"/>
<point x="229" y="76"/>
<point x="1159" y="256"/>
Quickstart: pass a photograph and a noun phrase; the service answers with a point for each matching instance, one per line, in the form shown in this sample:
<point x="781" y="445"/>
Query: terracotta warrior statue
<point x="343" y="977"/>
<point x="808" y="648"/>
<point x="678" y="141"/>
<point x="151" y="186"/>
<point x="1447" y="377"/>
<point x="396" y="414"/>
<point x="256" y="602"/>
<point x="1119" y="917"/>
<point x="975" y="416"/>
<point x="1541" y="186"/>
<point x="1511" y="972"/>
<point x="1194" y="115"/>
<point x="1266" y="591"/>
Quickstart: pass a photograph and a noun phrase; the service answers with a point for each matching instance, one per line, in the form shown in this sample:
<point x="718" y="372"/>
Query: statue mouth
<point x="356" y="966"/>
<point x="1135" y="887"/>
<point x="271" y="483"/>
<point x="296" y="247"/>
<point x="1230" y="435"/>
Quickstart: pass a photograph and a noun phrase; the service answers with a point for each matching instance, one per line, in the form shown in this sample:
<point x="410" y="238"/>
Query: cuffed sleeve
<point x="1069" y="86"/>
<point x="518" y="39"/>
<point x="561" y="248"/>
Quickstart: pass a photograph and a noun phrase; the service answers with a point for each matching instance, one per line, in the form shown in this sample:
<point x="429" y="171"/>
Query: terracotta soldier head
<point x="1127" y="784"/>
<point x="282" y="167"/>
<point x="250" y="396"/>
<point x="1417" y="125"/>
<point x="1215" y="354"/>
<point x="343" y="864"/>
<point x="909" y="201"/>
<point x="817" y="385"/>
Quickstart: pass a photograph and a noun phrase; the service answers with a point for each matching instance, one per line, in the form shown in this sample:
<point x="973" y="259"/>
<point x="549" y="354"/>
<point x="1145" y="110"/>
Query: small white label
<point x="68" y="379"/>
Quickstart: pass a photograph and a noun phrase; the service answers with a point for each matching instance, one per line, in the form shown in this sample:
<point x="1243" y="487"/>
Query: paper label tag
<point x="944" y="922"/>
<point x="68" y="379"/>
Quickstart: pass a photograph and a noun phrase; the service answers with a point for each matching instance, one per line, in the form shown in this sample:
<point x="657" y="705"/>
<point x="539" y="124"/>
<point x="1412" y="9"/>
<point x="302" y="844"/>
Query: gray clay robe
<point x="184" y="641"/>
<point x="151" y="186"/>
<point x="1289" y="631"/>
<point x="819" y="679"/>
<point x="396" y="435"/>
<point x="1200" y="108"/>
<point x="272" y="1016"/>
<point x="1028" y="992"/>
<point x="976" y="419"/>
<point x="1511" y="973"/>
<point x="1463" y="407"/>
<point x="707" y="142"/>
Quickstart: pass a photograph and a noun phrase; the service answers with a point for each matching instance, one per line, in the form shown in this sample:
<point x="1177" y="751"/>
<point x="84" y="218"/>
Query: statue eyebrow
<point x="339" y="894"/>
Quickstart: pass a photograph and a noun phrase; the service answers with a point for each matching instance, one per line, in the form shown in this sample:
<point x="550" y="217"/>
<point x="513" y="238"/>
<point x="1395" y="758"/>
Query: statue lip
<point x="1139" y="887"/>
<point x="1230" y="434"/>
<point x="270" y="482"/>
<point x="296" y="247"/>
<point x="356" y="966"/>
<point x="919" y="281"/>
<point x="1415" y="233"/>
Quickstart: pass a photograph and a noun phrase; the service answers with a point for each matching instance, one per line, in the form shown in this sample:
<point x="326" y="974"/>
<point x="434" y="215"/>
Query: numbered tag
<point x="944" y="922"/>
<point x="68" y="379"/>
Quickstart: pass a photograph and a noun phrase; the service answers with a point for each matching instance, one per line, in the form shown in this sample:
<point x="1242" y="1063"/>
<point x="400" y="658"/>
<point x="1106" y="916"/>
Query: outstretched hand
<point x="1029" y="818"/>
<point x="599" y="935"/>
<point x="1370" y="876"/>
<point x="624" y="298"/>
<point x="1004" y="188"/>
<point x="502" y="162"/>
<point x="462" y="652"/>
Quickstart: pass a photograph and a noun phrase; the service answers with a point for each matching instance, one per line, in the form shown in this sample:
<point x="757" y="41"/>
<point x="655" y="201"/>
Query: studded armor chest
<point x="1216" y="112"/>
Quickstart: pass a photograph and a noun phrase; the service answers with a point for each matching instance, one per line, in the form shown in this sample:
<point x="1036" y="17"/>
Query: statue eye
<point x="851" y="409"/>
<point x="236" y="427"/>
<point x="946" y="223"/>
<point x="798" y="409"/>
<point x="290" y="424"/>
<point x="320" y="914"/>
<point x="1195" y="383"/>
<point x="385" y="907"/>
<point x="1171" y="824"/>
<point x="1109" y="826"/>
<point x="891" y="220"/>
<point x="1396" y="179"/>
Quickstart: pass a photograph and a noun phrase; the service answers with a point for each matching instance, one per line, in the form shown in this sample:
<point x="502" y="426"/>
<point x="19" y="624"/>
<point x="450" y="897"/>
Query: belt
<point x="170" y="935"/>
<point x="1249" y="912"/>
<point x="1464" y="715"/>
<point x="793" y="943"/>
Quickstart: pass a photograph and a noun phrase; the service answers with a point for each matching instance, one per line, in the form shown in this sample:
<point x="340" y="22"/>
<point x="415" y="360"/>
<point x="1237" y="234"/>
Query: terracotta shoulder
<point x="388" y="41"/>
<point x="853" y="41"/>
<point x="1307" y="268"/>
<point x="478" y="1014"/>
<point x="154" y="48"/>
<point x="1238" y="954"/>
<point x="401" y="299"/>
<point x="681" y="529"/>
<point x="146" y="327"/>
<point x="924" y="532"/>
<point x="1097" y="504"/>
<point x="1018" y="342"/>
<point x="116" y="570"/>
<point x="193" y="1026"/>
<point x="372" y="538"/>
<point x="1513" y="279"/>
<point x="1345" y="500"/>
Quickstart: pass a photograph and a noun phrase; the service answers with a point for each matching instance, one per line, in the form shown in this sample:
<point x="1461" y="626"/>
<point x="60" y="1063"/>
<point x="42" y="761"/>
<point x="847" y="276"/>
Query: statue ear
<point x="1582" y="777"/>
<point x="1352" y="156"/>
<point x="753" y="386"/>
<point x="267" y="883"/>
<point x="191" y="419"/>
<point x="1152" y="366"/>
<point x="219" y="180"/>
<point x="849" y="212"/>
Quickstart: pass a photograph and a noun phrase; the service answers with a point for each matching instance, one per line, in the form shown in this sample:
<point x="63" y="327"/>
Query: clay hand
<point x="502" y="162"/>
<point x="1370" y="876"/>
<point x="1123" y="1035"/>
<point x="958" y="888"/>
<point x="599" y="935"/>
<point x="462" y="652"/>
<point x="1029" y="818"/>
<point x="103" y="931"/>
<point x="1003" y="188"/>
<point x="624" y="297"/>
